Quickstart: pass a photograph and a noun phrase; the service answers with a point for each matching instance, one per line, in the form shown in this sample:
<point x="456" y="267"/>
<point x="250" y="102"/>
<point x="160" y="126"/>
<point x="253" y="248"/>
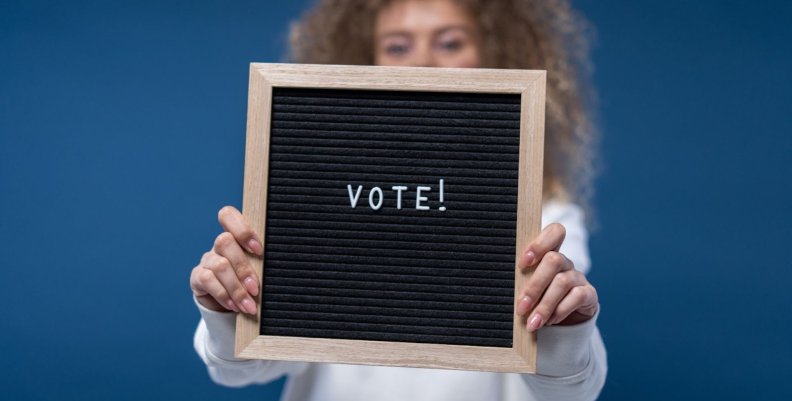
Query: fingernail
<point x="251" y="286"/>
<point x="530" y="257"/>
<point x="249" y="306"/>
<point x="255" y="246"/>
<point x="535" y="322"/>
<point x="230" y="305"/>
<point x="524" y="305"/>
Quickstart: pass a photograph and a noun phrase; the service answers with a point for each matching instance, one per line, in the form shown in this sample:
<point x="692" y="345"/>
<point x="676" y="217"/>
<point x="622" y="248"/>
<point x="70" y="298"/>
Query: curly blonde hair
<point x="527" y="34"/>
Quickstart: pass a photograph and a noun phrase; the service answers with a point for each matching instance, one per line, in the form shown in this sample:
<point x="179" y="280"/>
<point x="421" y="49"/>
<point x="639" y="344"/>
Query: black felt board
<point x="405" y="275"/>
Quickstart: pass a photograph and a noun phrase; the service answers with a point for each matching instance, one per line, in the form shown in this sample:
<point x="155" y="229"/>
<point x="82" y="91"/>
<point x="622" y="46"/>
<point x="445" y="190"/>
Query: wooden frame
<point x="521" y="357"/>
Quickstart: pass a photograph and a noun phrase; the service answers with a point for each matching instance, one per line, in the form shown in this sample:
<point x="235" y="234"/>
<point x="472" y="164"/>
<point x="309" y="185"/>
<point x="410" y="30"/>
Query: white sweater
<point x="571" y="360"/>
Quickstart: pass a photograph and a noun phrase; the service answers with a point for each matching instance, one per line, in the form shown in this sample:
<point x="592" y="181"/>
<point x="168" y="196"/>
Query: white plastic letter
<point x="371" y="198"/>
<point x="442" y="207"/>
<point x="419" y="198"/>
<point x="353" y="199"/>
<point x="399" y="189"/>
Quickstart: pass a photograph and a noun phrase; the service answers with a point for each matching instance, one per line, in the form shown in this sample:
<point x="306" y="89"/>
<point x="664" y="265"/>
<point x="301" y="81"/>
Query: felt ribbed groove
<point x="399" y="137"/>
<point x="398" y="104"/>
<point x="435" y="311"/>
<point x="298" y="301"/>
<point x="393" y="96"/>
<point x="362" y="251"/>
<point x="393" y="121"/>
<point x="395" y="99"/>
<point x="345" y="274"/>
<point x="379" y="318"/>
<point x="286" y="216"/>
<point x="388" y="215"/>
<point x="370" y="325"/>
<point x="402" y="179"/>
<point x="412" y="244"/>
<point x="428" y="276"/>
<point x="395" y="153"/>
<point x="283" y="278"/>
<point x="384" y="294"/>
<point x="282" y="328"/>
<point x="437" y="264"/>
<point x="392" y="170"/>
<point x="392" y="112"/>
<point x="477" y="232"/>
<point x="423" y="317"/>
<point x="417" y="272"/>
<point x="404" y="147"/>
<point x="376" y="161"/>
<point x="389" y="236"/>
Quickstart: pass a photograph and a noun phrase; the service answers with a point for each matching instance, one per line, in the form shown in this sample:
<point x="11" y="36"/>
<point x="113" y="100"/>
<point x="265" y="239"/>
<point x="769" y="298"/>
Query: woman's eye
<point x="450" y="45"/>
<point x="396" y="49"/>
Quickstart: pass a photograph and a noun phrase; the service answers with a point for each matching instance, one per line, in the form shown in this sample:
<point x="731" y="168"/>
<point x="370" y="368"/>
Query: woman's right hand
<point x="224" y="280"/>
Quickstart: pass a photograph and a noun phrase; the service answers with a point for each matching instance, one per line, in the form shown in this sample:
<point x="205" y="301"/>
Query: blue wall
<point x="122" y="132"/>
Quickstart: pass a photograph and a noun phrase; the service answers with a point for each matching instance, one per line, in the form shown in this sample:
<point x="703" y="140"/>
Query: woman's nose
<point x="422" y="57"/>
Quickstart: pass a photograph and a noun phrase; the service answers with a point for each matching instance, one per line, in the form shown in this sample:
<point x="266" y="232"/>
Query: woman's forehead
<point x="406" y="16"/>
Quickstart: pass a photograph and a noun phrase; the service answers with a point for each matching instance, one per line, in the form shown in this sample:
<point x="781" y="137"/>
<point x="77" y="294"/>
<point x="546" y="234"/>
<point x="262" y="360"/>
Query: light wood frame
<point x="530" y="84"/>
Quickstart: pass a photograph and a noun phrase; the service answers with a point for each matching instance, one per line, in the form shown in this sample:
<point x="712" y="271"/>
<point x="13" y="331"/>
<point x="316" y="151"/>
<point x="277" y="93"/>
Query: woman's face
<point x="426" y="33"/>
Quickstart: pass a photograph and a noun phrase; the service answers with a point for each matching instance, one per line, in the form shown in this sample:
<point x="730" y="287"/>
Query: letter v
<point x="353" y="199"/>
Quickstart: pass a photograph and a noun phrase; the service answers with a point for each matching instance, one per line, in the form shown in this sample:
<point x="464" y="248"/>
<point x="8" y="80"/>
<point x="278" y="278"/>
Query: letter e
<point x="419" y="198"/>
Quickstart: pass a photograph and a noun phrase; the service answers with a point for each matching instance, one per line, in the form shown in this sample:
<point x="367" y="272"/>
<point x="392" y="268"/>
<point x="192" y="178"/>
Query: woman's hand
<point x="224" y="279"/>
<point x="556" y="293"/>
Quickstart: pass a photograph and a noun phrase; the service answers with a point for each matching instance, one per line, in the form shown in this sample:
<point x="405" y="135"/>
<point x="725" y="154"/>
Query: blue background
<point x="122" y="131"/>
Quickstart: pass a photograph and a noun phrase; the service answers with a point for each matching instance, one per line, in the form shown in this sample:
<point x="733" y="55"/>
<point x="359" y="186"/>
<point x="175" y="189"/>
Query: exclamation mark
<point x="442" y="208"/>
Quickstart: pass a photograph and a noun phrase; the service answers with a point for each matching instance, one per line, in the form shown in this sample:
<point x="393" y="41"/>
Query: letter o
<point x="371" y="198"/>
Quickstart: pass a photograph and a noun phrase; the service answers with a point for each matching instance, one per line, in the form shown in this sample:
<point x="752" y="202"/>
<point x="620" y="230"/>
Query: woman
<point x="558" y="302"/>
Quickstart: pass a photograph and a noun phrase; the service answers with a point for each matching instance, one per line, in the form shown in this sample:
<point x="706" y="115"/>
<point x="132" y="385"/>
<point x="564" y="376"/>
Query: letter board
<point x="393" y="203"/>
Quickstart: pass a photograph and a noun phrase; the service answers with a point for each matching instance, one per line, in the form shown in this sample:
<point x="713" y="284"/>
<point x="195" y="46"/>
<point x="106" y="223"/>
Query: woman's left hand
<point x="556" y="293"/>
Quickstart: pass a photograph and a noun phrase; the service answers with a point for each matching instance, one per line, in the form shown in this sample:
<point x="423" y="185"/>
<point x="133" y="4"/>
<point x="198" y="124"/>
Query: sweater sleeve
<point x="571" y="360"/>
<point x="214" y="343"/>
